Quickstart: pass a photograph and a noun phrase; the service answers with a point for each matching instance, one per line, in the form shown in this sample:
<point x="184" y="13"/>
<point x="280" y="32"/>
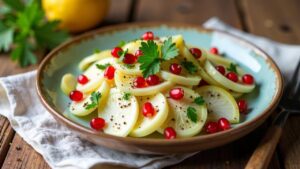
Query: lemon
<point x="76" y="15"/>
<point x="219" y="103"/>
<point x="68" y="83"/>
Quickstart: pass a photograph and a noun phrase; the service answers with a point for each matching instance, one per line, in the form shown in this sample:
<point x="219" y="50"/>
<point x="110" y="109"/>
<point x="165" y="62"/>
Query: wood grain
<point x="188" y="11"/>
<point x="280" y="22"/>
<point x="275" y="19"/>
<point x="262" y="155"/>
<point x="119" y="12"/>
<point x="21" y="155"/>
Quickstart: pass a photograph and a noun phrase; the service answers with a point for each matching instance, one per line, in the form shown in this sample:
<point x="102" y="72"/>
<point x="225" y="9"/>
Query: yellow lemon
<point x="76" y="15"/>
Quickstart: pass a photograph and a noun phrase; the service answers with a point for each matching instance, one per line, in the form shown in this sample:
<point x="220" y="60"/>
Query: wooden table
<point x="276" y="19"/>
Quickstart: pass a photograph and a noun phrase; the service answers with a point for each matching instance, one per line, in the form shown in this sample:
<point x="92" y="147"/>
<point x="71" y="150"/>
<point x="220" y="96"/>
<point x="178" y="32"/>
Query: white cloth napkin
<point x="62" y="149"/>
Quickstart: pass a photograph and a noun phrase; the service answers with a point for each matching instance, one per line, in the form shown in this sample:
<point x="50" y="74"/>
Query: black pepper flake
<point x="19" y="160"/>
<point x="124" y="123"/>
<point x="173" y="119"/>
<point x="85" y="104"/>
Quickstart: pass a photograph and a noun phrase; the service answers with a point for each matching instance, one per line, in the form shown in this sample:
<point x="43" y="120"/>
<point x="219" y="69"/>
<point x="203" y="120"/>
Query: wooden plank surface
<point x="280" y="22"/>
<point x="188" y="11"/>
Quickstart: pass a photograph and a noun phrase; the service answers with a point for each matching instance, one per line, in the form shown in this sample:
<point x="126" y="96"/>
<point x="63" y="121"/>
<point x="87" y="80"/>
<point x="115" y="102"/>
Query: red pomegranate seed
<point x="109" y="72"/>
<point x="138" y="53"/>
<point x="169" y="133"/>
<point x="175" y="68"/>
<point x="129" y="59"/>
<point x="152" y="80"/>
<point x="115" y="52"/>
<point x="148" y="109"/>
<point x="221" y="69"/>
<point x="232" y="76"/>
<point x="224" y="124"/>
<point x="97" y="123"/>
<point x="243" y="106"/>
<point x="211" y="127"/>
<point x="176" y="93"/>
<point x="248" y="79"/>
<point x="196" y="52"/>
<point x="139" y="82"/>
<point x="82" y="79"/>
<point x="76" y="96"/>
<point x="148" y="36"/>
<point x="214" y="50"/>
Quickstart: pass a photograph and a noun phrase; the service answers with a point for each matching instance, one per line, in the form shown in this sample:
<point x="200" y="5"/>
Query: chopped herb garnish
<point x="199" y="100"/>
<point x="129" y="66"/>
<point x="94" y="100"/>
<point x="150" y="60"/>
<point x="126" y="96"/>
<point x="169" y="49"/>
<point x="191" y="114"/>
<point x="102" y="67"/>
<point x="121" y="43"/>
<point x="189" y="66"/>
<point x="97" y="51"/>
<point x="232" y="68"/>
<point x="122" y="54"/>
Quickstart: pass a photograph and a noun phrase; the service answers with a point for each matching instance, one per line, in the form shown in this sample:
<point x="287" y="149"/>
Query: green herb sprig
<point x="95" y="96"/>
<point x="199" y="101"/>
<point x="232" y="68"/>
<point x="23" y="29"/>
<point x="191" y="114"/>
<point x="150" y="60"/>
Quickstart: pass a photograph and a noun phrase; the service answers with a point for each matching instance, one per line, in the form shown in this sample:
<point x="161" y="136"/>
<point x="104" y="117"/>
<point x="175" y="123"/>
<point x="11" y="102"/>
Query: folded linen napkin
<point x="62" y="149"/>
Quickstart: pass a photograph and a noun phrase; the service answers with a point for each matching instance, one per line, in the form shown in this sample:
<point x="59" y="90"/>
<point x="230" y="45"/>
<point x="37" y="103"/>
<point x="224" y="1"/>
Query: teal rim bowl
<point x="66" y="57"/>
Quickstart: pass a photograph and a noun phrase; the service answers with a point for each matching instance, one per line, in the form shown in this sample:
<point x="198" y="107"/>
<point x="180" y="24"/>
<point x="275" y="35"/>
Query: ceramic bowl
<point x="65" y="59"/>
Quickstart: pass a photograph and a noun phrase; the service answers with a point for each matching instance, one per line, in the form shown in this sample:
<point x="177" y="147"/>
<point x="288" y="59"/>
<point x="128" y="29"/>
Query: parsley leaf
<point x="199" y="100"/>
<point x="191" y="114"/>
<point x="126" y="96"/>
<point x="122" y="54"/>
<point x="94" y="100"/>
<point x="189" y="66"/>
<point x="150" y="62"/>
<point x="121" y="43"/>
<point x="232" y="68"/>
<point x="169" y="49"/>
<point x="97" y="51"/>
<point x="24" y="29"/>
<point x="102" y="67"/>
<point x="6" y="36"/>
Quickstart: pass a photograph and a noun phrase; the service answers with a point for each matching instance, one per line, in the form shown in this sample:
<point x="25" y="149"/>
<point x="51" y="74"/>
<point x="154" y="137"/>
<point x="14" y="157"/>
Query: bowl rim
<point x="154" y="141"/>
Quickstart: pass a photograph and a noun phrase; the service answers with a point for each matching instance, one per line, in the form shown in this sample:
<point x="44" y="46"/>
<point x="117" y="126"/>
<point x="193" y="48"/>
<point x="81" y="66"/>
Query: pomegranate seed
<point x="211" y="127"/>
<point x="176" y="93"/>
<point x="148" y="109"/>
<point x="82" y="79"/>
<point x="202" y="83"/>
<point x="76" y="96"/>
<point x="129" y="58"/>
<point x="97" y="123"/>
<point x="138" y="53"/>
<point x="169" y="133"/>
<point x="115" y="52"/>
<point x="214" y="50"/>
<point x="232" y="76"/>
<point x="196" y="52"/>
<point x="109" y="72"/>
<point x="248" y="79"/>
<point x="243" y="106"/>
<point x="148" y="36"/>
<point x="139" y="82"/>
<point x="221" y="69"/>
<point x="152" y="80"/>
<point x="224" y="124"/>
<point x="175" y="68"/>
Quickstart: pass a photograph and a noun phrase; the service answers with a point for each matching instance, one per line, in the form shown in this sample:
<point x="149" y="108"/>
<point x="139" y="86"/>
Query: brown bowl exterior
<point x="159" y="146"/>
